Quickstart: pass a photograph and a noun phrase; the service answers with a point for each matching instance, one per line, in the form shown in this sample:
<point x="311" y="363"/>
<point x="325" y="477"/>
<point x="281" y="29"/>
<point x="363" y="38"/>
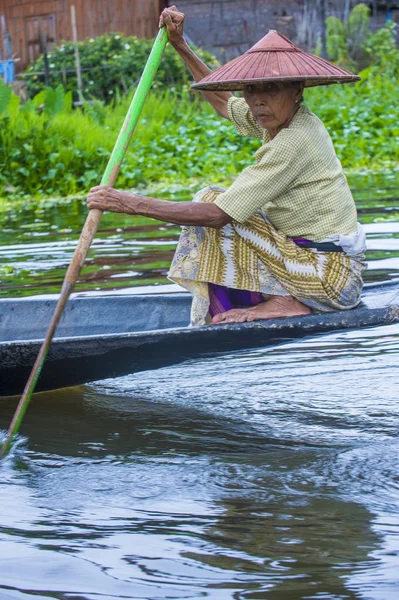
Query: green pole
<point x="90" y="227"/>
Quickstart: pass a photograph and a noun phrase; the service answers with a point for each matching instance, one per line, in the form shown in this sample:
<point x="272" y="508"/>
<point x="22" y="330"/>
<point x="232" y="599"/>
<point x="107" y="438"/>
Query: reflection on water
<point x="266" y="474"/>
<point x="36" y="244"/>
<point x="263" y="475"/>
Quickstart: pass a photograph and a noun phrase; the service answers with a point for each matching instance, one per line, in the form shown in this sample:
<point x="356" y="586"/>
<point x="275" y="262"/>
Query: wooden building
<point x="224" y="27"/>
<point x="227" y="28"/>
<point x="27" y="20"/>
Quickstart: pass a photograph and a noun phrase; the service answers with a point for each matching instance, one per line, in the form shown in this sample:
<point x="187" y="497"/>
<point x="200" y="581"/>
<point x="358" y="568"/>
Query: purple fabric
<point x="301" y="240"/>
<point x="223" y="298"/>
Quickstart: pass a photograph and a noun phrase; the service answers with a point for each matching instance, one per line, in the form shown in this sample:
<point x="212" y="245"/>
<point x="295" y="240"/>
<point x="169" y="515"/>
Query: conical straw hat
<point x="274" y="58"/>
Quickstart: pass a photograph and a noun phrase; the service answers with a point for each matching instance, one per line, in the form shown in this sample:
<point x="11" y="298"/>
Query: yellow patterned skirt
<point x="256" y="257"/>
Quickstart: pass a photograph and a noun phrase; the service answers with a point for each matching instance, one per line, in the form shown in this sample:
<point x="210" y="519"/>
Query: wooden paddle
<point x="90" y="227"/>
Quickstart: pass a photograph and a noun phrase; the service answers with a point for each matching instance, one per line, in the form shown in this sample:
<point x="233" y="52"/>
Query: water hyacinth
<point x="46" y="148"/>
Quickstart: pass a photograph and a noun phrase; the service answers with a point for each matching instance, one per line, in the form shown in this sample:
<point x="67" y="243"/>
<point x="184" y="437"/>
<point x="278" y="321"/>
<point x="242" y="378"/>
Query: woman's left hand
<point x="103" y="197"/>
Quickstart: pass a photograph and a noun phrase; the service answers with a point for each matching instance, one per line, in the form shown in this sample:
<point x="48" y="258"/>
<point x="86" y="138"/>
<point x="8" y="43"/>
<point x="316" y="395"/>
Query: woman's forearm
<point x="173" y="20"/>
<point x="199" y="70"/>
<point x="199" y="214"/>
<point x="180" y="213"/>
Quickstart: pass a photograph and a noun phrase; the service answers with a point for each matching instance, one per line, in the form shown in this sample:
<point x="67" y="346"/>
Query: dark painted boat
<point x="109" y="336"/>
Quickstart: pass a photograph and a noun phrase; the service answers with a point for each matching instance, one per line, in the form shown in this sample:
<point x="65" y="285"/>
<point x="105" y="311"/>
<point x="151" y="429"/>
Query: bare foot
<point x="235" y="315"/>
<point x="275" y="308"/>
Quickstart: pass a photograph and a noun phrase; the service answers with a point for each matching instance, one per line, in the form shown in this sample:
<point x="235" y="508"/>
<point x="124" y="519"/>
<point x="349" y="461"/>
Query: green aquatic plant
<point x="47" y="149"/>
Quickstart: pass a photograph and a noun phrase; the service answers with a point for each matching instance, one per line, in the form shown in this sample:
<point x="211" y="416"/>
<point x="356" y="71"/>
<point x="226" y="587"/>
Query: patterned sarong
<point x="254" y="256"/>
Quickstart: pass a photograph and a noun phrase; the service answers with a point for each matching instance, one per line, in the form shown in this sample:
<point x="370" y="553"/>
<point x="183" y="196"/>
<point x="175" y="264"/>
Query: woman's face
<point x="272" y="104"/>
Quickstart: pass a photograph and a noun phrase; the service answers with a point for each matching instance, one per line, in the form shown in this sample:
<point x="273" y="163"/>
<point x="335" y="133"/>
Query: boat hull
<point x="77" y="359"/>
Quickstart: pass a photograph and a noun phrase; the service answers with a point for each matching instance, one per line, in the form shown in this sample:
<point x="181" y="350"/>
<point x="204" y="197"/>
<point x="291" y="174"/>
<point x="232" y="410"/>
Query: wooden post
<point x="323" y="28"/>
<point x="43" y="47"/>
<point x="7" y="44"/>
<point x="77" y="61"/>
<point x="347" y="8"/>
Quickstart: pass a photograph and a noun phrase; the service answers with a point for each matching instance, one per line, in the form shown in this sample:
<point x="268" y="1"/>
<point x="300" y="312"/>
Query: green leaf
<point x="67" y="102"/>
<point x="5" y="95"/>
<point x="13" y="105"/>
<point x="59" y="100"/>
<point x="54" y="101"/>
<point x="39" y="99"/>
<point x="27" y="107"/>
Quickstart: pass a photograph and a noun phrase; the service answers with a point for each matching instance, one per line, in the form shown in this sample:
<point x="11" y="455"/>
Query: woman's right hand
<point x="173" y="21"/>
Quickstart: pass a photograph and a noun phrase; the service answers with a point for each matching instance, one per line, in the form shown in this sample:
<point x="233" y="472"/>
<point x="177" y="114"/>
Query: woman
<point x="283" y="240"/>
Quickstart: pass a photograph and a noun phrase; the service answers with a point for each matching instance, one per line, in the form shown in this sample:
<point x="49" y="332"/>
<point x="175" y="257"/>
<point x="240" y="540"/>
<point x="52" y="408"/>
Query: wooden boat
<point x="109" y="336"/>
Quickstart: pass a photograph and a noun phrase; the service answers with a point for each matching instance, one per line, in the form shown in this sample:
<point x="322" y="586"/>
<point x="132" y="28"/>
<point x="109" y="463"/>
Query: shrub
<point x="346" y="42"/>
<point x="357" y="34"/>
<point x="110" y="64"/>
<point x="383" y="51"/>
<point x="336" y="40"/>
<point x="353" y="45"/>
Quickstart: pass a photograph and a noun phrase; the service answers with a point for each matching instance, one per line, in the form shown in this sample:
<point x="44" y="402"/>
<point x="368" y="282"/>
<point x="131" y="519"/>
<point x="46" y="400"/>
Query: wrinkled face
<point x="272" y="104"/>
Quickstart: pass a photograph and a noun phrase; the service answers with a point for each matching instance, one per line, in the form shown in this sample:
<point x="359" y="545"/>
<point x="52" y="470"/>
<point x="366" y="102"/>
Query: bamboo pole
<point x="90" y="227"/>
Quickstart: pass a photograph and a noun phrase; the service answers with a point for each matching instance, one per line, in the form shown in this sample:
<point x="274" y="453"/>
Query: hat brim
<point x="236" y="85"/>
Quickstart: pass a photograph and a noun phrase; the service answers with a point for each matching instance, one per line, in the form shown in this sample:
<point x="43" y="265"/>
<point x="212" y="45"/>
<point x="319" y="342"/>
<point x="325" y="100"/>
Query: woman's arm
<point x="199" y="214"/>
<point x="173" y="21"/>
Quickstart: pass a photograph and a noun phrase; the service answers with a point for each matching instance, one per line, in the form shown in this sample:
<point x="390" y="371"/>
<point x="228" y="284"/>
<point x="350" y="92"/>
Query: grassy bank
<point x="180" y="140"/>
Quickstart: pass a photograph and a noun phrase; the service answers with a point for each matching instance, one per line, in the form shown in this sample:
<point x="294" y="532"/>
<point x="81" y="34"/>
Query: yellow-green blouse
<point x="297" y="180"/>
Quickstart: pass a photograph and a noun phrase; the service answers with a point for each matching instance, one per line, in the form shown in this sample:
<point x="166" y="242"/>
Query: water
<point x="267" y="480"/>
<point x="37" y="243"/>
<point x="264" y="474"/>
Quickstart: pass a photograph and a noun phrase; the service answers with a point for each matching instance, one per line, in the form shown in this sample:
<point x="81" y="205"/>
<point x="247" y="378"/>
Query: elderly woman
<point x="283" y="240"/>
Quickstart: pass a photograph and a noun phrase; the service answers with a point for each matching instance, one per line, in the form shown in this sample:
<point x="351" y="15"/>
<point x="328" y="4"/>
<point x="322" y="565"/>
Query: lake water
<point x="37" y="243"/>
<point x="264" y="474"/>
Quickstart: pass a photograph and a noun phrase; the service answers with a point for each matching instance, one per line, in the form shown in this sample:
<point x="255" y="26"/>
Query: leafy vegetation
<point x="363" y="121"/>
<point x="47" y="152"/>
<point x="48" y="149"/>
<point x="355" y="47"/>
<point x="346" y="42"/>
<point x="111" y="64"/>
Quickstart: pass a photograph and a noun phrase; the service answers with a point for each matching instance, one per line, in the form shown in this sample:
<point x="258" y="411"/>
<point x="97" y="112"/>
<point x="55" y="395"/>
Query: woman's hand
<point x="103" y="197"/>
<point x="173" y="21"/>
